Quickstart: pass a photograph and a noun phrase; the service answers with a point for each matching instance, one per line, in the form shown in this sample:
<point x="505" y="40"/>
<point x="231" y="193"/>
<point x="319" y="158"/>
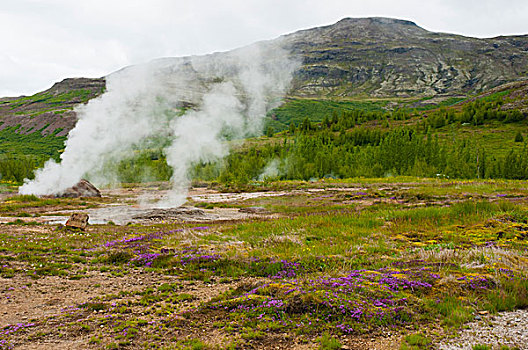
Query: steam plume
<point x="232" y="92"/>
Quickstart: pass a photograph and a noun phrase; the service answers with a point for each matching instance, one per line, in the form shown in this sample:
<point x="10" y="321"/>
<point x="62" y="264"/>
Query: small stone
<point x="78" y="220"/>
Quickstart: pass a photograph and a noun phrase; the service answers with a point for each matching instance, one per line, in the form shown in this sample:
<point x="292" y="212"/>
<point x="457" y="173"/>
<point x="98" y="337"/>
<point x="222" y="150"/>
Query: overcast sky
<point x="45" y="41"/>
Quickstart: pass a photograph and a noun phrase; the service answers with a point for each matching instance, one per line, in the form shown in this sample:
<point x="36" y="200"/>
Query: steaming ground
<point x="232" y="93"/>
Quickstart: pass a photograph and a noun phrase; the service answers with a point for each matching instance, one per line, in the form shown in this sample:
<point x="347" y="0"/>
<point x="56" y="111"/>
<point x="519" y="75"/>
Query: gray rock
<point x="82" y="189"/>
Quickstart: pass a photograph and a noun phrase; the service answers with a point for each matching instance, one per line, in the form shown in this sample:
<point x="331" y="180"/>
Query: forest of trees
<point x="351" y="145"/>
<point x="368" y="153"/>
<point x="348" y="144"/>
<point x="21" y="154"/>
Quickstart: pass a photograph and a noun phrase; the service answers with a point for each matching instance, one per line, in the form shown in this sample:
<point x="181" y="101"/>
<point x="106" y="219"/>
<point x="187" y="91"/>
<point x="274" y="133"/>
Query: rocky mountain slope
<point x="382" y="57"/>
<point x="353" y="58"/>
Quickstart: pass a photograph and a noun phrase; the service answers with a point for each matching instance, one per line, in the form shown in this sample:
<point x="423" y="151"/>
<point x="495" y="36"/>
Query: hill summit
<point x="385" y="57"/>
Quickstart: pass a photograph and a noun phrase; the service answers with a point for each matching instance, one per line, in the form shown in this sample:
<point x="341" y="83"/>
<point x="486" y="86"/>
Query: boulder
<point x="83" y="188"/>
<point x="78" y="220"/>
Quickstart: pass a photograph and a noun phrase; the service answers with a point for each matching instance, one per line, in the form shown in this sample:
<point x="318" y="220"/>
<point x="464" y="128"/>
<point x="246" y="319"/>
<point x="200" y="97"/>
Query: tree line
<point x="368" y="153"/>
<point x="348" y="144"/>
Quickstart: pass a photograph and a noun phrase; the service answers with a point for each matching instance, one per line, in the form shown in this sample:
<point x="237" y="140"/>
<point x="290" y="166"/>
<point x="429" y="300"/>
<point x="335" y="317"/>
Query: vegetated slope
<point x="50" y="111"/>
<point x="34" y="128"/>
<point x="512" y="96"/>
<point x="481" y="137"/>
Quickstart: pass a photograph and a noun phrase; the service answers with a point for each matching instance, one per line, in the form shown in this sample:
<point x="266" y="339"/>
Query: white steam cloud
<point x="271" y="171"/>
<point x="231" y="93"/>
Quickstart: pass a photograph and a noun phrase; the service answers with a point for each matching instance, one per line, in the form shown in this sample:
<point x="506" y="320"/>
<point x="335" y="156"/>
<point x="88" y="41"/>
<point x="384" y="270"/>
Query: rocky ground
<point x="503" y="329"/>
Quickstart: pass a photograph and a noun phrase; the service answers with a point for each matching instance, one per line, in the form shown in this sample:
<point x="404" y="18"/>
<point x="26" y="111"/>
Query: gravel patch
<point x="505" y="328"/>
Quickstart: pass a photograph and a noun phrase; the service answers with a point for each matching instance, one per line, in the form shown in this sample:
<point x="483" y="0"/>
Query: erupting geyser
<point x="232" y="91"/>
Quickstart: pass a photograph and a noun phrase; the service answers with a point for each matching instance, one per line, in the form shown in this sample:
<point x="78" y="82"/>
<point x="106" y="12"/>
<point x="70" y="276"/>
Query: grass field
<point x="294" y="111"/>
<point x="383" y="262"/>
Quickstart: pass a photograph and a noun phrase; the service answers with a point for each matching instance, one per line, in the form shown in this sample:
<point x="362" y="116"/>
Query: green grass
<point x="426" y="107"/>
<point x="20" y="203"/>
<point x="496" y="138"/>
<point x="481" y="347"/>
<point x="415" y="342"/>
<point x="192" y="344"/>
<point x="25" y="198"/>
<point x="296" y="110"/>
<point x="327" y="342"/>
<point x="452" y="311"/>
<point x="512" y="294"/>
<point x="81" y="95"/>
<point x="13" y="143"/>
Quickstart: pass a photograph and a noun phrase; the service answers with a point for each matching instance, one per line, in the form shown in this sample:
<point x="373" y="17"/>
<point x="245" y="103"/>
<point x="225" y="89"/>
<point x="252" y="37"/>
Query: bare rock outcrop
<point x="83" y="188"/>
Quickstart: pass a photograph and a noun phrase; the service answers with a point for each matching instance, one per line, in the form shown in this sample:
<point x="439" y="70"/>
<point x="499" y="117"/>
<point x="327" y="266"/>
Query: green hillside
<point x="61" y="97"/>
<point x="295" y="110"/>
<point x="482" y="136"/>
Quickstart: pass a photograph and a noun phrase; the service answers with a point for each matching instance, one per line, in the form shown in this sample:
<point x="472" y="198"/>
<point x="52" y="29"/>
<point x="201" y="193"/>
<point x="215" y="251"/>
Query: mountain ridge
<point x="375" y="57"/>
<point x="383" y="57"/>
